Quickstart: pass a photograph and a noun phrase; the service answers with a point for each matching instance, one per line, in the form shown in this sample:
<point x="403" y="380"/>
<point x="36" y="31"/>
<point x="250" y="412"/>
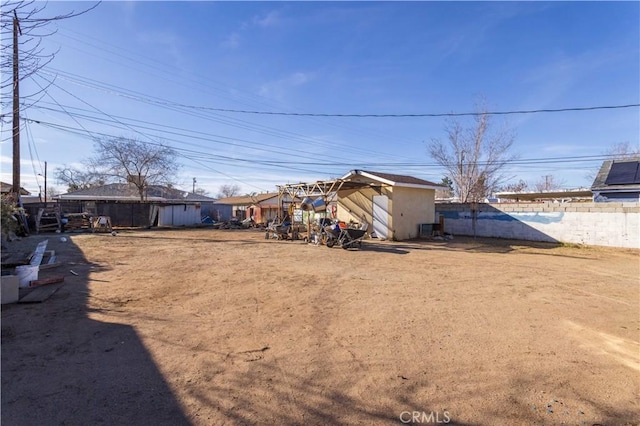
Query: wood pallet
<point x="48" y="220"/>
<point x="78" y="222"/>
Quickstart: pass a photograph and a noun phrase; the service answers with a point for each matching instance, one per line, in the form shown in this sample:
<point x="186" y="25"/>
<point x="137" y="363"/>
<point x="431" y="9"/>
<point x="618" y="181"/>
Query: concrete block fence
<point x="598" y="224"/>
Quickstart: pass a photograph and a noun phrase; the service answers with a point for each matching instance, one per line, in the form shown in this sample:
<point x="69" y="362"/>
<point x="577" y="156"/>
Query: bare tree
<point x="76" y="179"/>
<point x="474" y="156"/>
<point x="617" y="151"/>
<point x="547" y="183"/>
<point x="201" y="191"/>
<point x="32" y="27"/>
<point x="520" y="186"/>
<point x="22" y="30"/>
<point x="52" y="192"/>
<point x="137" y="162"/>
<point x="623" y="151"/>
<point x="228" y="190"/>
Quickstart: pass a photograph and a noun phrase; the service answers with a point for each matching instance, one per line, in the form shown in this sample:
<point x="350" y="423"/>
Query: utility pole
<point x="45" y="184"/>
<point x="16" y="109"/>
<point x="194" y="186"/>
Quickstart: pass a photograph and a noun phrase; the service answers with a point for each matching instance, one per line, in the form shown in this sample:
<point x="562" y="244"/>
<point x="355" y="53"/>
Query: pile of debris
<point x="19" y="280"/>
<point x="235" y="223"/>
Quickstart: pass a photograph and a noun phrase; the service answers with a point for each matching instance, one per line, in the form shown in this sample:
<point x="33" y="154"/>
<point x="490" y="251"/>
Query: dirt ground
<point x="212" y="327"/>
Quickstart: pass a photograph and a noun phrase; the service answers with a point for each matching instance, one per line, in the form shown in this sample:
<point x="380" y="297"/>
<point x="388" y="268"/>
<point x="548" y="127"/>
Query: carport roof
<point x="247" y="199"/>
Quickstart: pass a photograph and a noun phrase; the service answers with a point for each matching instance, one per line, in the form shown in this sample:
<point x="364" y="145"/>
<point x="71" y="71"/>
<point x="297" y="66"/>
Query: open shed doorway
<point x="381" y="216"/>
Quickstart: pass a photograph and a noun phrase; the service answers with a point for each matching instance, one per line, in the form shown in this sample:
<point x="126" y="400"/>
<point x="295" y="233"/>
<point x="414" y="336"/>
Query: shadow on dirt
<point x="298" y="400"/>
<point x="394" y="249"/>
<point x="61" y="367"/>
<point x="488" y="245"/>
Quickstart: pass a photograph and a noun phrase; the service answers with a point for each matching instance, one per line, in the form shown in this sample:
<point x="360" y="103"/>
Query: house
<point x="162" y="205"/>
<point x="393" y="206"/>
<point x="6" y="188"/>
<point x="617" y="181"/>
<point x="261" y="207"/>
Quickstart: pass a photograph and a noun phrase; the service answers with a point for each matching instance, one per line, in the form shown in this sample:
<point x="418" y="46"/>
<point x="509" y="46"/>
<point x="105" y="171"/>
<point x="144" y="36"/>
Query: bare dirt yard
<point x="211" y="327"/>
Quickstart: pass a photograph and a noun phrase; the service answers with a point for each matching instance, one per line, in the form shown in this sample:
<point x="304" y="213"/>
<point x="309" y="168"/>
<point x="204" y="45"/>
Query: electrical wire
<point x="355" y="115"/>
<point x="515" y="162"/>
<point x="417" y="115"/>
<point x="230" y="121"/>
<point x="221" y="90"/>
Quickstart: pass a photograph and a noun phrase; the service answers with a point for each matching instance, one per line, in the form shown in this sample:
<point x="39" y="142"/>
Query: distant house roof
<point x="6" y="188"/>
<point x="618" y="175"/>
<point x="394" y="180"/>
<point x="129" y="192"/>
<point x="248" y="200"/>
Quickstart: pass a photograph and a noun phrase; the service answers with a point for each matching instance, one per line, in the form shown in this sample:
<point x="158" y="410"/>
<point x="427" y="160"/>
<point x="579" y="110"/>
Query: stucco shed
<point x="393" y="206"/>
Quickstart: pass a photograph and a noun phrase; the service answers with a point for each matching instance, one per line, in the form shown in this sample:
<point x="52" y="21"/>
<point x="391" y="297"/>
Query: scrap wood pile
<point x="78" y="222"/>
<point x="235" y="223"/>
<point x="25" y="282"/>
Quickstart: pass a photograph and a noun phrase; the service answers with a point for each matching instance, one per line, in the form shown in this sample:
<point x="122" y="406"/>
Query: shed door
<point x="179" y="215"/>
<point x="381" y="216"/>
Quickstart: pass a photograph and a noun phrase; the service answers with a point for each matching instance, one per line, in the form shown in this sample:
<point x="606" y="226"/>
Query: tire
<point x="330" y="243"/>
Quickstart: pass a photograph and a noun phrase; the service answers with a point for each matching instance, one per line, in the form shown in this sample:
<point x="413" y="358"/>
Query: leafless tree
<point x="520" y="186"/>
<point x="52" y="192"/>
<point x="76" y="179"/>
<point x="137" y="162"/>
<point x="617" y="151"/>
<point x="22" y="29"/>
<point x="547" y="183"/>
<point x="228" y="190"/>
<point x="623" y="151"/>
<point x="201" y="191"/>
<point x="33" y="27"/>
<point x="474" y="156"/>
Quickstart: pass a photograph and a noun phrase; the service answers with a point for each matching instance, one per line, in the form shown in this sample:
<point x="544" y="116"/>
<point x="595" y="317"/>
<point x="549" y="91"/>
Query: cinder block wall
<point x="599" y="224"/>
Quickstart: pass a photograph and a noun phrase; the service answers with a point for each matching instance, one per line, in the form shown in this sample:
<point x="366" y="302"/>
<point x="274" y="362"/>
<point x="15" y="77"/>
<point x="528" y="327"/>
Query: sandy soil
<point x="210" y="327"/>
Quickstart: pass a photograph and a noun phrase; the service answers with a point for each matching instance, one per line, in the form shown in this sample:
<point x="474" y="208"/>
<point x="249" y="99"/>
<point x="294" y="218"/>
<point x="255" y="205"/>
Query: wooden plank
<point x="47" y="281"/>
<point x="40" y="294"/>
<point x="49" y="265"/>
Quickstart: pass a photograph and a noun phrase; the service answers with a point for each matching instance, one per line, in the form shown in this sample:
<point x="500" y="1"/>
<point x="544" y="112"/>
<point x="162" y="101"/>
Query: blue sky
<point x="153" y="71"/>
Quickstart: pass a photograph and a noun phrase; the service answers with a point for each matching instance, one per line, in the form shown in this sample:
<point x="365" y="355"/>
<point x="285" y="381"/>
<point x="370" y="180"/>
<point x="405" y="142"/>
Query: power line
<point x="441" y="114"/>
<point x="158" y="101"/>
<point x="195" y="112"/>
<point x="222" y="90"/>
<point x="205" y="155"/>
